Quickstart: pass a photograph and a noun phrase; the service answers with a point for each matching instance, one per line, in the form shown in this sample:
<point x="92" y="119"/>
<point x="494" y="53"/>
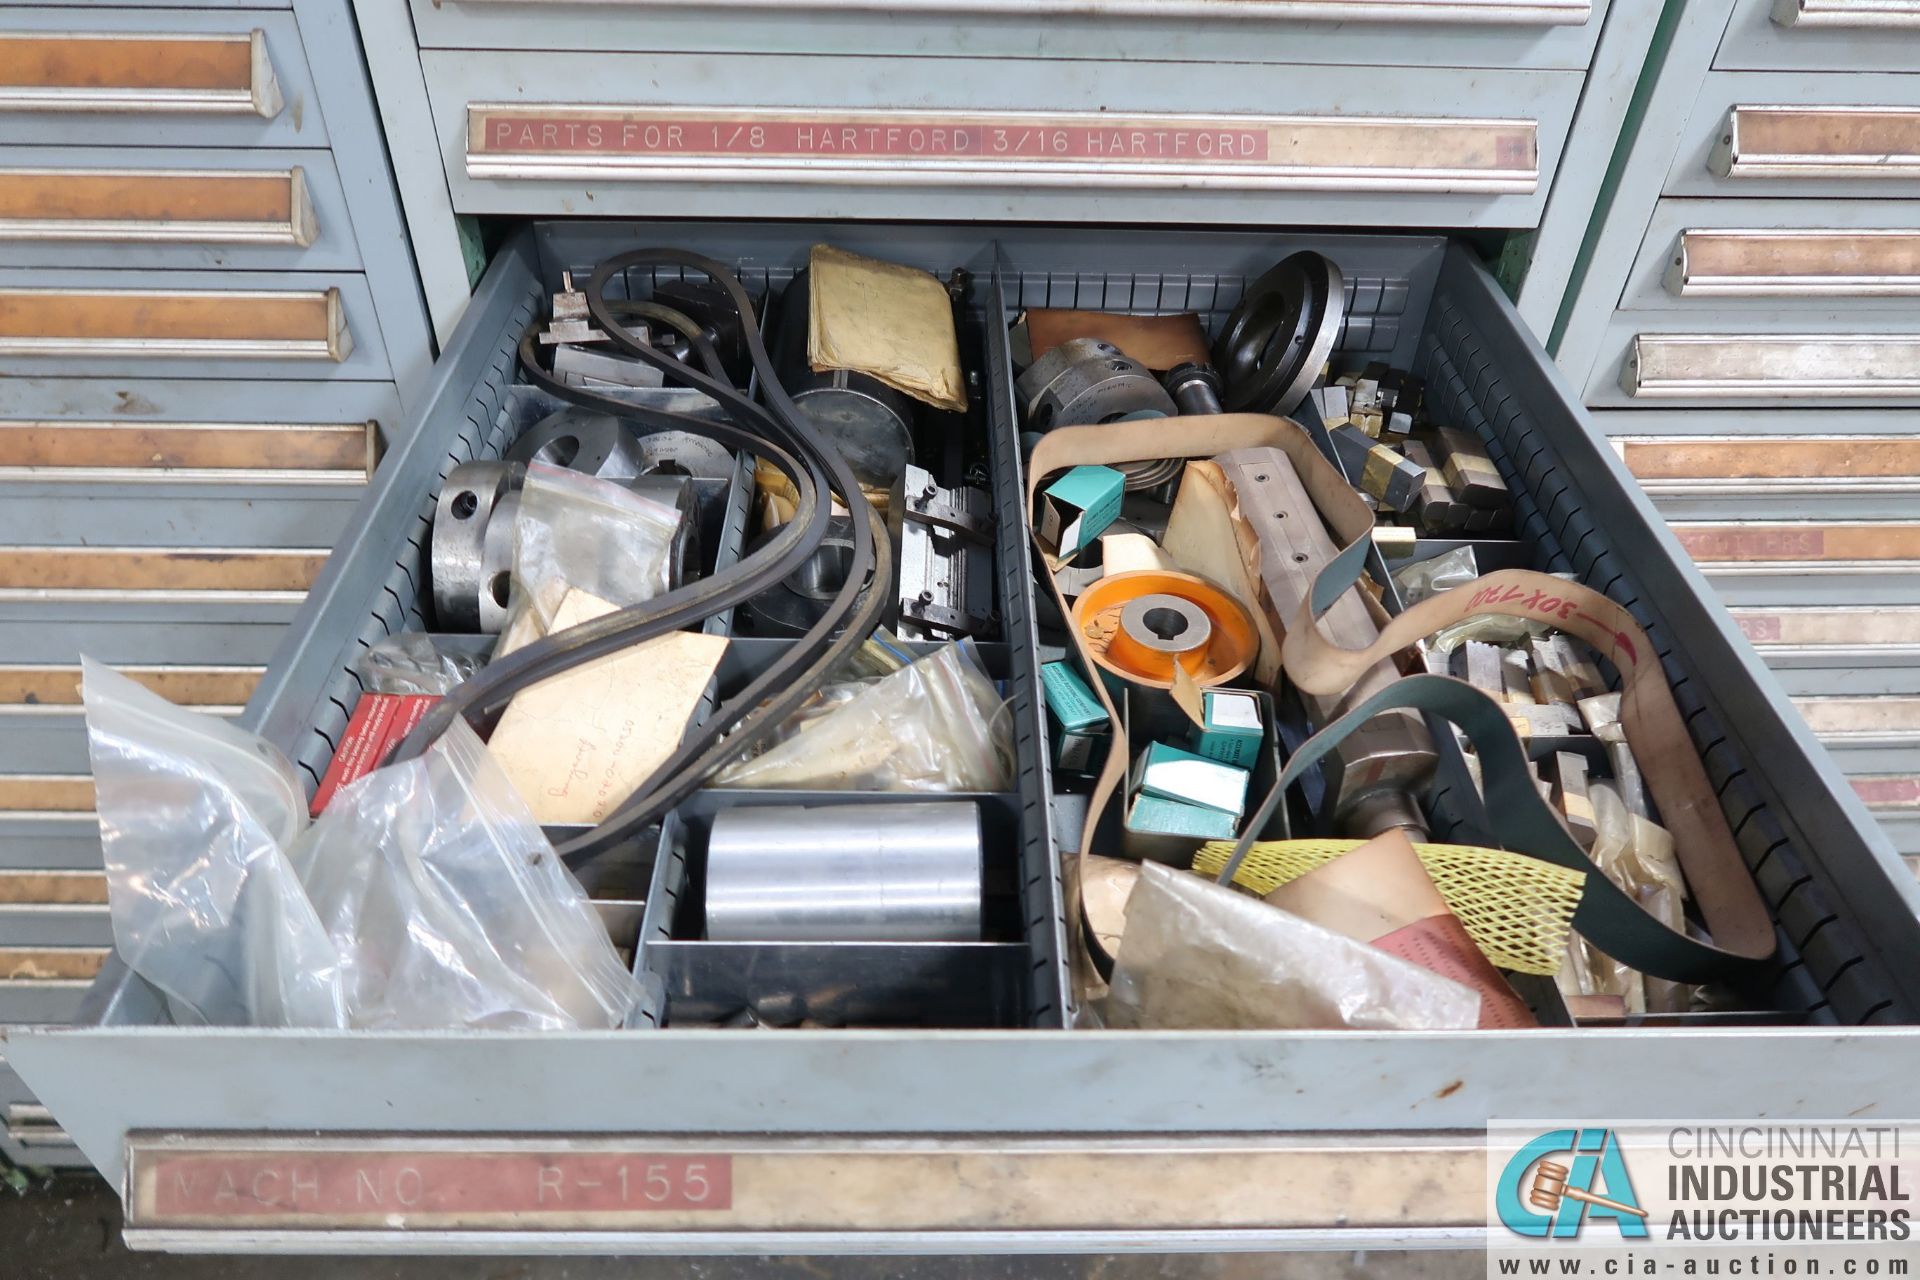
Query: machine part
<point x="595" y="444"/>
<point x="1435" y="510"/>
<point x="1377" y="470"/>
<point x="1377" y="771"/>
<point x="682" y="453"/>
<point x="578" y="366"/>
<point x="868" y="421"/>
<point x="1195" y="388"/>
<point x="791" y="606"/>
<point x="908" y="872"/>
<point x="1571" y="798"/>
<point x="946" y="561"/>
<point x="1184" y="619"/>
<point x="1280" y="334"/>
<point x="1087" y="382"/>
<point x="707" y="303"/>
<point x="472" y="528"/>
<point x="570" y="321"/>
<point x="1469" y="471"/>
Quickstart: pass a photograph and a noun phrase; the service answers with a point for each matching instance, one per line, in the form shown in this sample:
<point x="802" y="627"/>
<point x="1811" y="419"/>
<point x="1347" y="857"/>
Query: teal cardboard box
<point x="1232" y="732"/>
<point x="1076" y="508"/>
<point x="1080" y="726"/>
<point x="1171" y="832"/>
<point x="1173" y="774"/>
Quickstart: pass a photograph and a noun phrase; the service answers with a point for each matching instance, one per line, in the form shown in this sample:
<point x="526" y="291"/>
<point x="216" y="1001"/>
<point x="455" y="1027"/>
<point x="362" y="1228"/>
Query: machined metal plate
<point x="1876" y="142"/>
<point x="137" y="73"/>
<point x="1707" y="466"/>
<point x="1794" y="262"/>
<point x="158" y="206"/>
<point x="390" y="1187"/>
<point x="1795" y="366"/>
<point x="212" y="323"/>
<point x="567" y="142"/>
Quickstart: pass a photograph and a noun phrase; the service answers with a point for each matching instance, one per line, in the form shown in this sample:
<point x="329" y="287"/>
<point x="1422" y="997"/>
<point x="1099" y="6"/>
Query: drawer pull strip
<point x="1800" y="366"/>
<point x="58" y="687"/>
<point x="313" y="453"/>
<point x="51" y="964"/>
<point x="1860" y="721"/>
<point x="1777" y="546"/>
<point x="205" y="323"/>
<point x="135" y="74"/>
<point x="1818" y="142"/>
<point x="1084" y="149"/>
<point x="1810" y="264"/>
<point x="157" y="573"/>
<point x="1710" y="466"/>
<point x="51" y="794"/>
<point x="1847" y="13"/>
<point x="1858" y="630"/>
<point x="1504" y="13"/>
<point x="158" y="206"/>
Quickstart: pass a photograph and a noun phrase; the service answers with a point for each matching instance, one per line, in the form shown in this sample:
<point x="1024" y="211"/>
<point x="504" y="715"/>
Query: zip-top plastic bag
<point x="424" y="897"/>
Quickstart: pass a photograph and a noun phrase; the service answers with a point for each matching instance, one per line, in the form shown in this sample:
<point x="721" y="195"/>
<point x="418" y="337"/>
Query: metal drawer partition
<point x="129" y="1087"/>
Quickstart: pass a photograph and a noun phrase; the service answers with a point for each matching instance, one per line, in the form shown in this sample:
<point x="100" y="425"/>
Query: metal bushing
<point x="1278" y="338"/>
<point x="791" y="606"/>
<point x="471" y="553"/>
<point x="595" y="444"/>
<point x="1087" y="382"/>
<point x="1162" y="624"/>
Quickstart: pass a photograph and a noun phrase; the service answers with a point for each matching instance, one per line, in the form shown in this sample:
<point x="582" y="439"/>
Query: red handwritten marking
<point x="252" y="1185"/>
<point x="828" y="137"/>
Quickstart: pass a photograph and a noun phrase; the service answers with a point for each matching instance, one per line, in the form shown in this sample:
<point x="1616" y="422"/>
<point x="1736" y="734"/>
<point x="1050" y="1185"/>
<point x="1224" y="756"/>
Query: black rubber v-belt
<point x="776" y="431"/>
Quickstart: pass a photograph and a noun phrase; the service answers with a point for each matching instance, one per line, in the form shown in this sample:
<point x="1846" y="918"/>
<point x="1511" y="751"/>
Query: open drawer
<point x="994" y="1128"/>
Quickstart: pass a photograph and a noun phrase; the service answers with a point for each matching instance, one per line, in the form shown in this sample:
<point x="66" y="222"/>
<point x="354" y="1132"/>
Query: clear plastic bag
<point x="1638" y="856"/>
<point x="425" y="896"/>
<point x="1199" y="956"/>
<point x="411" y="663"/>
<point x="1443" y="572"/>
<point x="937" y="724"/>
<point x="574" y="530"/>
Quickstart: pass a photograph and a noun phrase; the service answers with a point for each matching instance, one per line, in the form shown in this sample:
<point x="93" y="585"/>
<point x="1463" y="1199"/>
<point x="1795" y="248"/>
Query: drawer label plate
<point x="1325" y="152"/>
<point x="731" y="1184"/>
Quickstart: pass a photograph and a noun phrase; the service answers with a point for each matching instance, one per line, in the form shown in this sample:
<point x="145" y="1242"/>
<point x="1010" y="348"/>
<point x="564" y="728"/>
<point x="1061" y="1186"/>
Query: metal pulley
<point x="1086" y="382"/>
<point x="1280" y="334"/>
<point x="471" y="557"/>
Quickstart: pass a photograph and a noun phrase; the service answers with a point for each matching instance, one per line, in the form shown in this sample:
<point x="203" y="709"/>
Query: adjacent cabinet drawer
<point x="1822" y="35"/>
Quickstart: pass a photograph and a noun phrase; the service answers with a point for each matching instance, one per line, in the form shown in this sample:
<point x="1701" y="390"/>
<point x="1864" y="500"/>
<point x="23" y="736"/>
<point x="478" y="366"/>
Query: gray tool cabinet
<point x="972" y="1068"/>
<point x="1744" y="328"/>
<point x="209" y="327"/>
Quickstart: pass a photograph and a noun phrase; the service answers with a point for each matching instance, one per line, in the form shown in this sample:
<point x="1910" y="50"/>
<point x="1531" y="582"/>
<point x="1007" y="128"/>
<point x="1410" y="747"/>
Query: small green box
<point x="1080" y="726"/>
<point x="1171" y="832"/>
<point x="1078" y="507"/>
<point x="1232" y="733"/>
<point x="1173" y="774"/>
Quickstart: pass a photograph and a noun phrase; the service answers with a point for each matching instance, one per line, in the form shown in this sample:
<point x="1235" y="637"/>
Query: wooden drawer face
<point x="1455" y="33"/>
<point x="1812" y="134"/>
<point x="1822" y="35"/>
<point x="1241" y="142"/>
<point x="216" y="78"/>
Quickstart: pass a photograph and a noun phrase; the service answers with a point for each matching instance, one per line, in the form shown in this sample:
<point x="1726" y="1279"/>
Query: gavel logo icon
<point x="1550" y="1187"/>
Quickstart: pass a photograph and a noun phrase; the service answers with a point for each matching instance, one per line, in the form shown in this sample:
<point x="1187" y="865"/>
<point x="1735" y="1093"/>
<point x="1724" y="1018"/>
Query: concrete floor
<point x="70" y="1230"/>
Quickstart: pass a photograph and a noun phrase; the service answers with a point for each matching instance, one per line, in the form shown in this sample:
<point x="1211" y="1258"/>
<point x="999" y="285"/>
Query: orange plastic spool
<point x="1138" y="625"/>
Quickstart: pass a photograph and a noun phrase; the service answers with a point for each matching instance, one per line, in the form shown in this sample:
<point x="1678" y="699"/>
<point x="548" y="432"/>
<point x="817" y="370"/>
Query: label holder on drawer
<point x="1029" y="148"/>
<point x="229" y="74"/>
<point x="163" y="206"/>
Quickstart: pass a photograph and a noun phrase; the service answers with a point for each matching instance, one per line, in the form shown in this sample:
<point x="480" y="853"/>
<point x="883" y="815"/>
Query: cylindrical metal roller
<point x="465" y="551"/>
<point x="597" y="444"/>
<point x="845" y="873"/>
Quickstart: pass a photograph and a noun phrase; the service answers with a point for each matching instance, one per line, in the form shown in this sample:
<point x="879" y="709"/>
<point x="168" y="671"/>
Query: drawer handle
<point x="1799" y="366"/>
<point x="1719" y="466"/>
<point x="1506" y="13"/>
<point x="1766" y="546"/>
<point x="214" y="324"/>
<point x="1877" y="263"/>
<point x="160" y="206"/>
<point x="1887" y="630"/>
<point x="31" y="690"/>
<point x="1082" y="150"/>
<point x="1847" y="13"/>
<point x="250" y="453"/>
<point x="46" y="793"/>
<point x="145" y="574"/>
<point x="1860" y="721"/>
<point x="135" y="74"/>
<point x="1818" y="142"/>
<point x="45" y="964"/>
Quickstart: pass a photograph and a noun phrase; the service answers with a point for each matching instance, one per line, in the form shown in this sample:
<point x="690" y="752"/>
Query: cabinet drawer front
<point x="1824" y="35"/>
<point x="138" y="74"/>
<point x="175" y="452"/>
<point x="183" y="76"/>
<point x="157" y="573"/>
<point x="1870" y="142"/>
<point x="235" y="207"/>
<point x="835" y="137"/>
<point x="1807" y="134"/>
<point x="1765" y="465"/>
<point x="1793" y="366"/>
<point x="1444" y="33"/>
